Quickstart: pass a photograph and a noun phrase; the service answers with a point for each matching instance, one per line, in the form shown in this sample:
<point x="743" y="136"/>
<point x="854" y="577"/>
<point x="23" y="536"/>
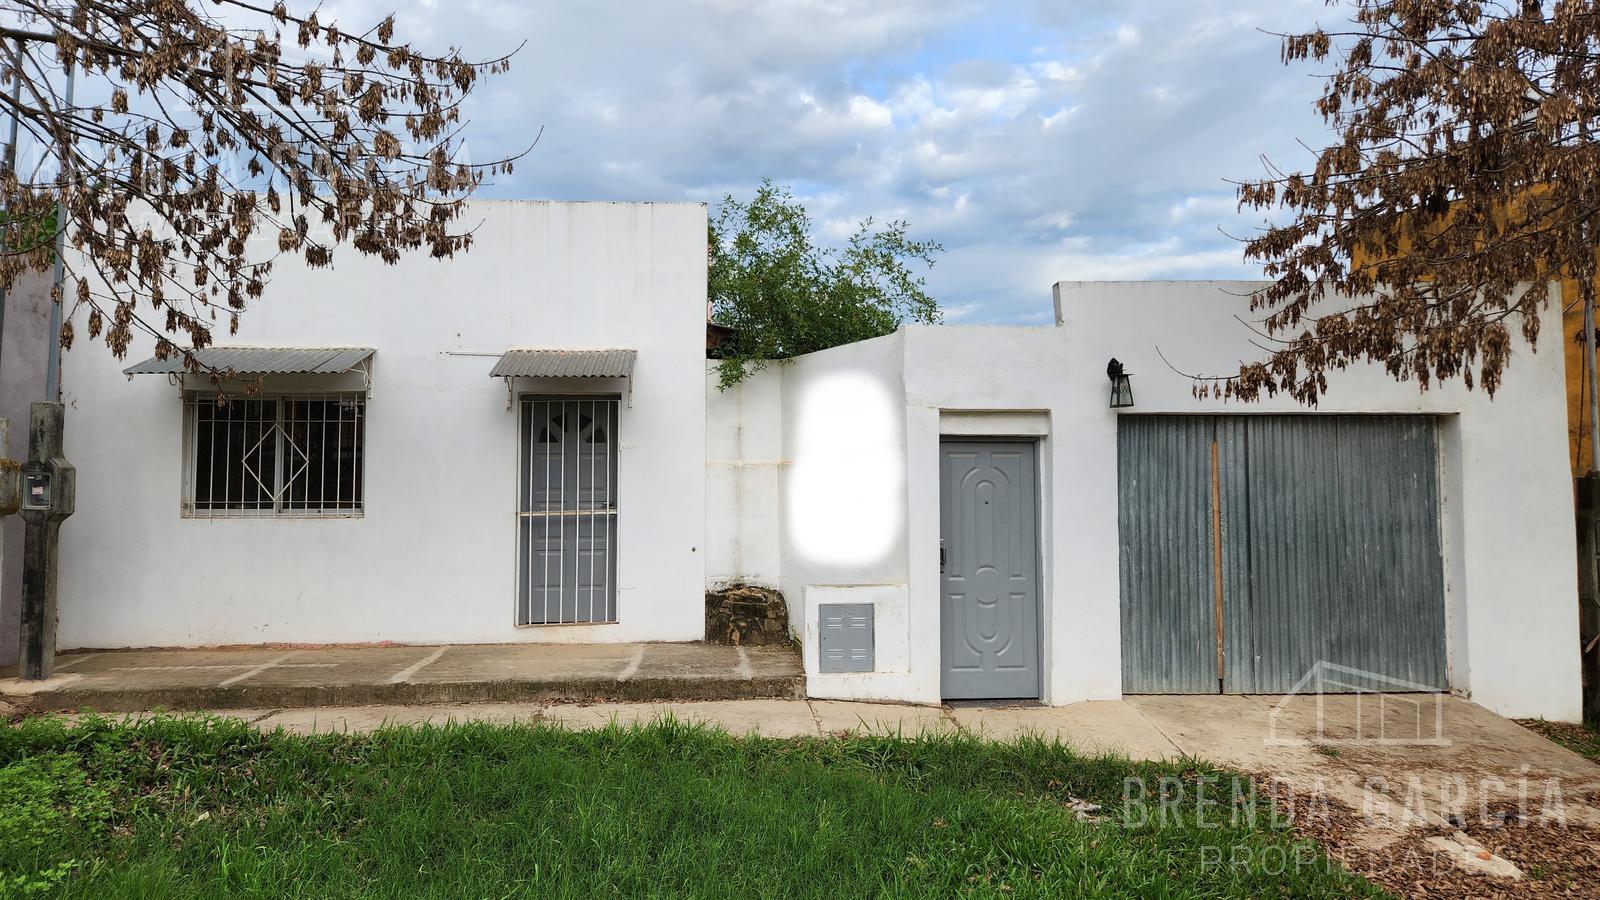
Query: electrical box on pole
<point x="48" y="492"/>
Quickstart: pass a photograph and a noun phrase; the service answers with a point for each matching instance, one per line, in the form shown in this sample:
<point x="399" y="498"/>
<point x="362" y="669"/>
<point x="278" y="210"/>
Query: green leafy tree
<point x="784" y="293"/>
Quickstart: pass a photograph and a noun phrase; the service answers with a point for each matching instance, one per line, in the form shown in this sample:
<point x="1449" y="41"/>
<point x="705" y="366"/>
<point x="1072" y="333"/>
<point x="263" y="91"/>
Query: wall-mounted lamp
<point x="1121" y="387"/>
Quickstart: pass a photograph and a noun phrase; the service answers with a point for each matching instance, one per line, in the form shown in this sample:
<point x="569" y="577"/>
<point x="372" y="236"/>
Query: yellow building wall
<point x="1580" y="448"/>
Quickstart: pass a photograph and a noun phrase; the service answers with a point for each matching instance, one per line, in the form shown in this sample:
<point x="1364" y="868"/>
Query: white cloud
<point x="999" y="129"/>
<point x="1054" y="70"/>
<point x="855" y="116"/>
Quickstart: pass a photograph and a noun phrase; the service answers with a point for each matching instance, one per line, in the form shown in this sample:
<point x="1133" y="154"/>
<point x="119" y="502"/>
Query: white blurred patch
<point x="847" y="486"/>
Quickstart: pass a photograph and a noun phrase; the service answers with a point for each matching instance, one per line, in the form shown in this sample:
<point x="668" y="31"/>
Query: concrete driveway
<point x="1427" y="795"/>
<point x="1383" y="753"/>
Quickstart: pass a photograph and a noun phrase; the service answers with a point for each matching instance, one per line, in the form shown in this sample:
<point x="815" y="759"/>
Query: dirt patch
<point x="1558" y="860"/>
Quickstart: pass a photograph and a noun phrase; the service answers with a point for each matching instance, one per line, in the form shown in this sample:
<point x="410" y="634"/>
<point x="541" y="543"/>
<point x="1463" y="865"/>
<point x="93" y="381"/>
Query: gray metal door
<point x="1168" y="569"/>
<point x="1322" y="533"/>
<point x="989" y="570"/>
<point x="567" y="511"/>
<point x="1340" y="515"/>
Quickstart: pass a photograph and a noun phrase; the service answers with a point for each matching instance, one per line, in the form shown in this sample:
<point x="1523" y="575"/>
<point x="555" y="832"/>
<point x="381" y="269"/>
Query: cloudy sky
<point x="1039" y="141"/>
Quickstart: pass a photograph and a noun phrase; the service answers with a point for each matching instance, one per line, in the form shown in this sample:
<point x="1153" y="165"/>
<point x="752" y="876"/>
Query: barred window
<point x="291" y="455"/>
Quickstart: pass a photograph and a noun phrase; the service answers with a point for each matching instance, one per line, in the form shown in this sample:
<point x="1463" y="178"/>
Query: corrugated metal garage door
<point x="1323" y="531"/>
<point x="1169" y="622"/>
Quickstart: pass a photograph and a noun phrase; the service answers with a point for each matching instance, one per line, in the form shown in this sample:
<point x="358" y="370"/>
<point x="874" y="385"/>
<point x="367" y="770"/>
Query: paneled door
<point x="567" y="511"/>
<point x="989" y="570"/>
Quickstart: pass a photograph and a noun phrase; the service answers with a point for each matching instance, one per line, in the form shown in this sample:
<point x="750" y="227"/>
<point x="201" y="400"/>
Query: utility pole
<point x="49" y="491"/>
<point x="52" y="377"/>
<point x="48" y="481"/>
<point x="10" y="473"/>
<point x="11" y="166"/>
<point x="1587" y="495"/>
<point x="1586" y="492"/>
<point x="9" y="470"/>
<point x="1589" y="367"/>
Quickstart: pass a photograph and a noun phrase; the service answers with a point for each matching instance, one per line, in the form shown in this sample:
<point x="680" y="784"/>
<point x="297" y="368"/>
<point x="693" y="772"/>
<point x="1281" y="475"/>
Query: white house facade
<point x="397" y="494"/>
<point x="1417" y="539"/>
<point x="525" y="444"/>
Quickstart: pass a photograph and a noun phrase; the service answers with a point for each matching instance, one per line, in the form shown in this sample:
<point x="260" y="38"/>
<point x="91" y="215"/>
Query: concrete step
<point x="281" y="677"/>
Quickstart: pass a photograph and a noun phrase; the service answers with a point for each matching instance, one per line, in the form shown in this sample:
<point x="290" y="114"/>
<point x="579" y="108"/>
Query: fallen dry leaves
<point x="1559" y="860"/>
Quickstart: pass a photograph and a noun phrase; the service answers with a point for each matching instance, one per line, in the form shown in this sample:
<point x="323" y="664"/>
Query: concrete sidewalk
<point x="1310" y="744"/>
<point x="265" y="678"/>
<point x="1333" y="744"/>
<point x="1095" y="727"/>
<point x="1237" y="731"/>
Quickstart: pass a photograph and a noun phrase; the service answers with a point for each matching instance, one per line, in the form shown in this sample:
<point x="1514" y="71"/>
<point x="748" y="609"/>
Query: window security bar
<point x="298" y="455"/>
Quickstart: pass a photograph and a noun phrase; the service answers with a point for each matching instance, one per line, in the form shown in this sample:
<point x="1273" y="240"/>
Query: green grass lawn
<point x="209" y="808"/>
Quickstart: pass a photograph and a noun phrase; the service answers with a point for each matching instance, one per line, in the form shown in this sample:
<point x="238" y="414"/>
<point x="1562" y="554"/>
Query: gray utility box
<point x="844" y="637"/>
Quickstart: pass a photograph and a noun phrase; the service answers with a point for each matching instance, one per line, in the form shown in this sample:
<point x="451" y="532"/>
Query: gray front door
<point x="989" y="570"/>
<point x="567" y="511"/>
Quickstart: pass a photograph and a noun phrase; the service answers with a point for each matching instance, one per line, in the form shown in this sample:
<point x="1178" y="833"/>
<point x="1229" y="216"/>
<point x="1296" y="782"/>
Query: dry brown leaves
<point x="1463" y="178"/>
<point x="1558" y="860"/>
<point x="224" y="141"/>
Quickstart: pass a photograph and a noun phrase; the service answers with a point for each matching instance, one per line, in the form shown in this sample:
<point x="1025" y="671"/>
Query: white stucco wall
<point x="844" y="502"/>
<point x="433" y="558"/>
<point x="1510" y="573"/>
<point x="862" y="425"/>
<point x="744" y="461"/>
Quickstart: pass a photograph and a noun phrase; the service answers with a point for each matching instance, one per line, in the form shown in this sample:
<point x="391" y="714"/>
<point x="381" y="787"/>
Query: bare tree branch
<point x="213" y="153"/>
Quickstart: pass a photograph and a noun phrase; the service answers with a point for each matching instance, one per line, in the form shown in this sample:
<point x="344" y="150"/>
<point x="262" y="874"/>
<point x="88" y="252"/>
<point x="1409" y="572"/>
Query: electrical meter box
<point x="36" y="487"/>
<point x="844" y="637"/>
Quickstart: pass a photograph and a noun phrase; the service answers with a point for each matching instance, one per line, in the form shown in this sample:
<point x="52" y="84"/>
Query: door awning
<point x="560" y="362"/>
<point x="261" y="361"/>
<point x="551" y="362"/>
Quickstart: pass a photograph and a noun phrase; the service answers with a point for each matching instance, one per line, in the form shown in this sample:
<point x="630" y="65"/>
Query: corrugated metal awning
<point x="261" y="361"/>
<point x="549" y="362"/>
